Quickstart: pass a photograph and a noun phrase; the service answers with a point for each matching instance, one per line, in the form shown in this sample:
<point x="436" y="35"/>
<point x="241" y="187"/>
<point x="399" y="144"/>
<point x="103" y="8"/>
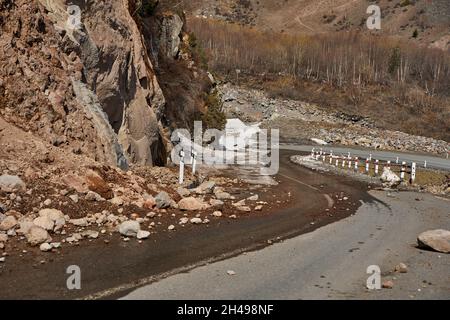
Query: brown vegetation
<point x="372" y="75"/>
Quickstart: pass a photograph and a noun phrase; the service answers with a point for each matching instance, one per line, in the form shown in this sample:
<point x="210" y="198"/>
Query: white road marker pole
<point x="425" y="164"/>
<point x="356" y="163"/>
<point x="376" y="167"/>
<point x="413" y="172"/>
<point x="194" y="160"/>
<point x="181" y="179"/>
<point x="402" y="172"/>
<point x="389" y="164"/>
<point x="331" y="156"/>
<point x="367" y="165"/>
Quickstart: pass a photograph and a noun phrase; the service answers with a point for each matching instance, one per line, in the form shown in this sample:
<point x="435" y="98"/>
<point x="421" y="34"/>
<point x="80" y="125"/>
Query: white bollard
<point x="337" y="162"/>
<point x="349" y="162"/>
<point x="402" y="172"/>
<point x="396" y="161"/>
<point x="343" y="163"/>
<point x="370" y="157"/>
<point x="194" y="160"/>
<point x="425" y="164"/>
<point x="356" y="163"/>
<point x="367" y="165"/>
<point x="181" y="179"/>
<point x="413" y="172"/>
<point x="388" y="164"/>
<point x="376" y="167"/>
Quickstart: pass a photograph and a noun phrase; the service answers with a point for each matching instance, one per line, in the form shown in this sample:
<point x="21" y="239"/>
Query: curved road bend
<point x="330" y="262"/>
<point x="109" y="271"/>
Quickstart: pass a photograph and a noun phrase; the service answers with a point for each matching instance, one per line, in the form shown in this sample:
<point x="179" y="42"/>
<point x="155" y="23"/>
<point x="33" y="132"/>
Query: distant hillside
<point x="422" y="21"/>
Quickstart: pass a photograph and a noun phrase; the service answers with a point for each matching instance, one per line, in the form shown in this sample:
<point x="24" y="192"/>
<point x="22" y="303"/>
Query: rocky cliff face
<point x="85" y="75"/>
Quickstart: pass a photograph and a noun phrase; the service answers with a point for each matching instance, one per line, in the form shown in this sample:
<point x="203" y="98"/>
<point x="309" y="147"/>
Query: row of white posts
<point x="182" y="163"/>
<point x="344" y="162"/>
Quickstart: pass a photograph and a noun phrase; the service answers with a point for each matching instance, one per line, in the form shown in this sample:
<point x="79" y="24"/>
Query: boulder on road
<point x="10" y="183"/>
<point x="191" y="204"/>
<point x="129" y="228"/>
<point x="389" y="178"/>
<point x="437" y="240"/>
<point x="142" y="234"/>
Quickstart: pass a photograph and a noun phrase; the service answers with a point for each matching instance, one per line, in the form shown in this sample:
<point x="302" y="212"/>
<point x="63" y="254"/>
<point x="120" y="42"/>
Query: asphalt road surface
<point x="331" y="262"/>
<point x="432" y="161"/>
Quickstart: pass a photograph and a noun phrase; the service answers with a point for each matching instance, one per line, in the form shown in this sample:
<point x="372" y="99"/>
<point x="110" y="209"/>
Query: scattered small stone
<point x="171" y="227"/>
<point x="231" y="272"/>
<point x="388" y="284"/>
<point x="74" y="198"/>
<point x="143" y="234"/>
<point x="184" y="220"/>
<point x="47" y="202"/>
<point x="82" y="222"/>
<point x="196" y="220"/>
<point x="45" y="247"/>
<point x="258" y="208"/>
<point x="401" y="267"/>
<point x="217" y="214"/>
<point x="129" y="228"/>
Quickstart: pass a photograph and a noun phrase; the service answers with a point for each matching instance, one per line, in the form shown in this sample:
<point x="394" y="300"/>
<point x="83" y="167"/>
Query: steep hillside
<point x="103" y="86"/>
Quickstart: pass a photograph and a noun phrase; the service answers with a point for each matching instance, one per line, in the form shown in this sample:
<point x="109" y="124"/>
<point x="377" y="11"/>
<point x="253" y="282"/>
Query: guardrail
<point x="368" y="165"/>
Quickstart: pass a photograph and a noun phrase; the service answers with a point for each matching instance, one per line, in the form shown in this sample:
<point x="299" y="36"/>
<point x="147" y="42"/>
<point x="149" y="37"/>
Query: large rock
<point x="37" y="235"/>
<point x="10" y="183"/>
<point x="389" y="178"/>
<point x="191" y="204"/>
<point x="163" y="200"/>
<point x="52" y="214"/>
<point x="129" y="228"/>
<point x="8" y="223"/>
<point x="438" y="240"/>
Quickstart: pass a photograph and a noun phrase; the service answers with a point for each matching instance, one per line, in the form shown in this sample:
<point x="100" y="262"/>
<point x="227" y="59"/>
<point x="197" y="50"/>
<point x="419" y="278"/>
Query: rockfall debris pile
<point x="86" y="111"/>
<point x="51" y="199"/>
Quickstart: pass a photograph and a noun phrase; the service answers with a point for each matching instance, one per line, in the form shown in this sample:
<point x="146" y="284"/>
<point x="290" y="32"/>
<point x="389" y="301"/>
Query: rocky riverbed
<point x="300" y="122"/>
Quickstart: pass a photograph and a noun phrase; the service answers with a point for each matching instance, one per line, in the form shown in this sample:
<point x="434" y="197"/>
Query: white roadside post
<point x="356" y="163"/>
<point x="312" y="152"/>
<point x="402" y="172"/>
<point x="194" y="160"/>
<point x="389" y="164"/>
<point x="349" y="161"/>
<point x="181" y="179"/>
<point x="367" y="165"/>
<point x="413" y="172"/>
<point x="425" y="164"/>
<point x="337" y="161"/>
<point x="331" y="156"/>
<point x="376" y="167"/>
<point x="343" y="161"/>
<point x="396" y="161"/>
